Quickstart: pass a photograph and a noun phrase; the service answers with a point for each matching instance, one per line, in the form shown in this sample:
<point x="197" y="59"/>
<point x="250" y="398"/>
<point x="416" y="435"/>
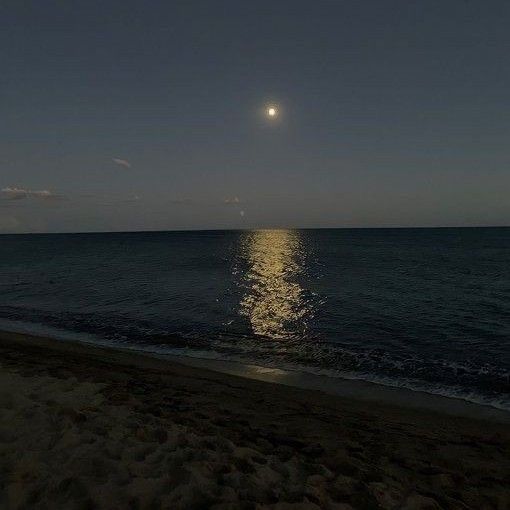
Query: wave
<point x="483" y="385"/>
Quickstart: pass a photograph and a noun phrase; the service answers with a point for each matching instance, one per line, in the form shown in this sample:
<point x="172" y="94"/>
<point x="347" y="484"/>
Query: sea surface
<point x="425" y="309"/>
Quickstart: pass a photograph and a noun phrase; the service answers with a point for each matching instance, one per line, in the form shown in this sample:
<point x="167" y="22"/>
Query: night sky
<point x="131" y="115"/>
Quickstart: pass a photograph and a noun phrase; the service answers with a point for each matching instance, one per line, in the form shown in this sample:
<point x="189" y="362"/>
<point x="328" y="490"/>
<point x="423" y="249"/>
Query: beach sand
<point x="89" y="427"/>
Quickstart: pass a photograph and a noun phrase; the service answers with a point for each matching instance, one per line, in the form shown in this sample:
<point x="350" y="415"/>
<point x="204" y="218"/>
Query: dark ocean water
<point x="425" y="309"/>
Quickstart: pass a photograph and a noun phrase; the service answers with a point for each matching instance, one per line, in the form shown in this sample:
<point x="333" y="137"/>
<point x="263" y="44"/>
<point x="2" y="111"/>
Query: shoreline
<point x="85" y="426"/>
<point x="354" y="388"/>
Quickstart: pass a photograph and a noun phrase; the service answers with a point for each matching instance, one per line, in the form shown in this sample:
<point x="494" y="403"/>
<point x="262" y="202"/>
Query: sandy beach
<point x="87" y="427"/>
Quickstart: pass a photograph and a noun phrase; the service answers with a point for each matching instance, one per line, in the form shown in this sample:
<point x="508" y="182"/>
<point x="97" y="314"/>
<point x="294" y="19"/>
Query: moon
<point x="272" y="111"/>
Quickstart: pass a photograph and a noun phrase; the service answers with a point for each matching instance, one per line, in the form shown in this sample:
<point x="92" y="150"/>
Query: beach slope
<point x="89" y="427"/>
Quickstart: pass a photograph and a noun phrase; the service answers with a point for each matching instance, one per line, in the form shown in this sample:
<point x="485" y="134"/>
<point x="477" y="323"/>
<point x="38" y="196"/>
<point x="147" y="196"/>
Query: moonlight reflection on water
<point x="274" y="301"/>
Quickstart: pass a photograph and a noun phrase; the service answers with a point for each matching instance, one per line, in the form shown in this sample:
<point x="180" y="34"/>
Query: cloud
<point x="14" y="193"/>
<point x="43" y="194"/>
<point x="230" y="201"/>
<point x="122" y="162"/>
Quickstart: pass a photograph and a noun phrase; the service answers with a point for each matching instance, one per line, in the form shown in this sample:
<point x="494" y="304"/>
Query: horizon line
<point x="148" y="231"/>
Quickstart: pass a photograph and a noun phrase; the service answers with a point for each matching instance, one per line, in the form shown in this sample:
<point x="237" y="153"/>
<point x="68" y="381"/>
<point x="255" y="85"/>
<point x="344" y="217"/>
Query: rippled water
<point x="421" y="308"/>
<point x="273" y="301"/>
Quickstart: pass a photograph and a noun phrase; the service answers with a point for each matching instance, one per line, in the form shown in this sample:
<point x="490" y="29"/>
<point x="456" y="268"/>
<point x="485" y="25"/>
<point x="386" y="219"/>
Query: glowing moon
<point x="272" y="111"/>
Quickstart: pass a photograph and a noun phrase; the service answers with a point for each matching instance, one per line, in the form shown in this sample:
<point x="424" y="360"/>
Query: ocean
<point x="424" y="309"/>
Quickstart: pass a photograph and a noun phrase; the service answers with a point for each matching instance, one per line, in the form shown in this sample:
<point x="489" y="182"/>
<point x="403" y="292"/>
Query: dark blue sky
<point x="392" y="113"/>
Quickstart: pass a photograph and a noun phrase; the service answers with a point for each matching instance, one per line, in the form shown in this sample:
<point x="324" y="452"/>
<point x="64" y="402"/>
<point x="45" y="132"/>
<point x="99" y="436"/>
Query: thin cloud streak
<point x="232" y="201"/>
<point x="122" y="162"/>
<point x="14" y="193"/>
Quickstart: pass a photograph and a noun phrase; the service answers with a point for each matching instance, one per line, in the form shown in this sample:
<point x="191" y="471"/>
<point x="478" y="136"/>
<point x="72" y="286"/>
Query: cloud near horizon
<point x="14" y="193"/>
<point x="230" y="201"/>
<point x="122" y="162"/>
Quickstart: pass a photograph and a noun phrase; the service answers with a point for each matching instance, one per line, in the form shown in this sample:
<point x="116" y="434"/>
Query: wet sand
<point x="90" y="427"/>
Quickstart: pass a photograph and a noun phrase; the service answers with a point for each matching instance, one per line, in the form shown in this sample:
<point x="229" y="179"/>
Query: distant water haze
<point x="419" y="308"/>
